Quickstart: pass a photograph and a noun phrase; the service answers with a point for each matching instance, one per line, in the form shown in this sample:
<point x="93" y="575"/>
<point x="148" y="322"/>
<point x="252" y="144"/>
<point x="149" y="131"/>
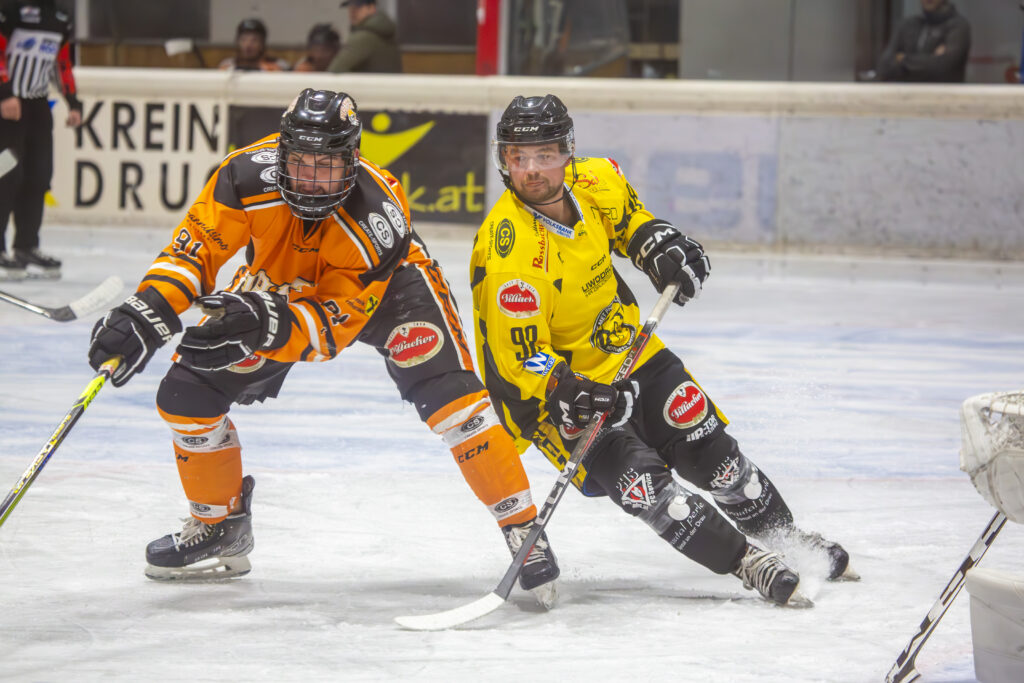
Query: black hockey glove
<point x="668" y="256"/>
<point x="134" y="330"/>
<point x="239" y="324"/>
<point x="575" y="400"/>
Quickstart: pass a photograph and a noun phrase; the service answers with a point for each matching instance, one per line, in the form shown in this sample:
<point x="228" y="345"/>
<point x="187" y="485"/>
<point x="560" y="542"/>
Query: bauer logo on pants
<point x="414" y="343"/>
<point x="518" y="299"/>
<point x="686" y="406"/>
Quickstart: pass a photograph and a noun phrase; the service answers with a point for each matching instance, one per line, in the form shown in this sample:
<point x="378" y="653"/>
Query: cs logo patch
<point x="504" y="238"/>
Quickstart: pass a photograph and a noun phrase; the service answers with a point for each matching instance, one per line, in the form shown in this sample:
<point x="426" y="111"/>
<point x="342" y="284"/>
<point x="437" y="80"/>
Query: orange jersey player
<point x="331" y="259"/>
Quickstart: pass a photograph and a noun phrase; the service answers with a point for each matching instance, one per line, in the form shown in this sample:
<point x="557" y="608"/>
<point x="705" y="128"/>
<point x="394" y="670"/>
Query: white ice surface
<point x="842" y="378"/>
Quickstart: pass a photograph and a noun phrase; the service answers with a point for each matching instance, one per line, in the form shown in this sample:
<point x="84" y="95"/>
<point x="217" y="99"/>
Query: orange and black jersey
<point x="334" y="271"/>
<point x="34" y="38"/>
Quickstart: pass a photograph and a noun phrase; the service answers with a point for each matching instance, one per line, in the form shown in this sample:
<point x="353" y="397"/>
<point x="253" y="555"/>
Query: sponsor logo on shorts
<point x="539" y="363"/>
<point x="414" y="343"/>
<point x="686" y="406"/>
<point x="518" y="299"/>
<point x="251" y="363"/>
<point x="504" y="238"/>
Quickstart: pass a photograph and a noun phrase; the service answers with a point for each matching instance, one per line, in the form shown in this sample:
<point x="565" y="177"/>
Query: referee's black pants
<point x="23" y="188"/>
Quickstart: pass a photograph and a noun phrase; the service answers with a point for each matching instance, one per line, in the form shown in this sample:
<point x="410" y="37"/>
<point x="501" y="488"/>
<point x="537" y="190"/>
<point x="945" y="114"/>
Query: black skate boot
<point x="764" y="571"/>
<point x="540" y="568"/>
<point x="204" y="552"/>
<point x="38" y="264"/>
<point x="11" y="268"/>
<point x="838" y="558"/>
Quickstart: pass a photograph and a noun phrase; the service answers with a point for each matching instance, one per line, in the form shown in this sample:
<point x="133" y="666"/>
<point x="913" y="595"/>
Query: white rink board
<point x="930" y="169"/>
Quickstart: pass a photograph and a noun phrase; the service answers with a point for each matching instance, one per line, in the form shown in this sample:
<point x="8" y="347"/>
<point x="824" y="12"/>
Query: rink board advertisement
<point x="135" y="160"/>
<point x="440" y="159"/>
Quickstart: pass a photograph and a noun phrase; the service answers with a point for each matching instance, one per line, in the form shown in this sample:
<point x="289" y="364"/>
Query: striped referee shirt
<point x="35" y="51"/>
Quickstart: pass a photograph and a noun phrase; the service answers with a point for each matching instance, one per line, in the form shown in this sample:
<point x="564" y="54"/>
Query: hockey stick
<point x="83" y="401"/>
<point x="99" y="297"/>
<point x="903" y="670"/>
<point x="497" y="597"/>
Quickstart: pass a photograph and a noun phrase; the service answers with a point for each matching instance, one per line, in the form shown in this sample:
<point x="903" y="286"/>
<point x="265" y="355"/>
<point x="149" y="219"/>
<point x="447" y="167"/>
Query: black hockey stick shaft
<point x="583" y="447"/>
<point x="903" y="670"/>
<point x="93" y="300"/>
<point x="81" y="403"/>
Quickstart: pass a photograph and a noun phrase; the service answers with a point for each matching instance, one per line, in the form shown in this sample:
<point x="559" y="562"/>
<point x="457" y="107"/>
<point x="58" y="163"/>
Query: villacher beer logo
<point x="414" y="343"/>
<point x="686" y="406"/>
<point x="518" y="299"/>
<point x="250" y="363"/>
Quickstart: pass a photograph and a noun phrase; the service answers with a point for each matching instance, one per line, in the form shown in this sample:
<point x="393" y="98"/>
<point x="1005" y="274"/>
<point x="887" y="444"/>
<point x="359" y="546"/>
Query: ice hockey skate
<point x="205" y="552"/>
<point x="838" y="558"/>
<point x="764" y="571"/>
<point x="37" y="264"/>
<point x="11" y="268"/>
<point x="541" y="567"/>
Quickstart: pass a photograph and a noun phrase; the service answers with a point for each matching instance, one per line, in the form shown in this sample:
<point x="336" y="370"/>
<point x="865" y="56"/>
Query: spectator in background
<point x="371" y="45"/>
<point x="250" y="49"/>
<point x="931" y="47"/>
<point x="322" y="44"/>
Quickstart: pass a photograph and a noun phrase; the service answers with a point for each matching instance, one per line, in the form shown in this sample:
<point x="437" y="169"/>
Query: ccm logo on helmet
<point x="311" y="138"/>
<point x="525" y="129"/>
<point x="686" y="406"/>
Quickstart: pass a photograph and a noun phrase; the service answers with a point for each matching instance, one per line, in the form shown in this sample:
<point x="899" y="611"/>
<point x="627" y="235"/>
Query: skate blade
<point x="546" y="594"/>
<point x="847" y="575"/>
<point x="12" y="275"/>
<point x="798" y="601"/>
<point x="213" y="569"/>
<point x="41" y="274"/>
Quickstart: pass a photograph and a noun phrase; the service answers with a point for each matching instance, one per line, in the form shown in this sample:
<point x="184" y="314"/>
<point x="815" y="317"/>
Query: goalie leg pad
<point x="640" y="482"/>
<point x="484" y="452"/>
<point x="739" y="488"/>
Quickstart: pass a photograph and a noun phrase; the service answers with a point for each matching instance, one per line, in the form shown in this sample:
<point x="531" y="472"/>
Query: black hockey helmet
<point x="533" y="121"/>
<point x="252" y="25"/>
<point x="318" y="152"/>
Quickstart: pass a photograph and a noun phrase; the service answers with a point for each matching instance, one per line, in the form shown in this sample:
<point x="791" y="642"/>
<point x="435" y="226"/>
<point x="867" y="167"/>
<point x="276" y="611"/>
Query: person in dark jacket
<point x="371" y="45"/>
<point x="931" y="47"/>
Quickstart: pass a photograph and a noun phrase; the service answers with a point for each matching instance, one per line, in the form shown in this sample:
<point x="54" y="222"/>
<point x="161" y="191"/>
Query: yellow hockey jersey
<point x="544" y="293"/>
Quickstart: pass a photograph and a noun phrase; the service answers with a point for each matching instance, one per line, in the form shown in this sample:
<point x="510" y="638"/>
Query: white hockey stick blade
<point x="453" y="617"/>
<point x="99" y="298"/>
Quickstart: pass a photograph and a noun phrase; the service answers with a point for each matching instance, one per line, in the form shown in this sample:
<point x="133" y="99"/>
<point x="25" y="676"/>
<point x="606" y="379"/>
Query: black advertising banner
<point x="440" y="159"/>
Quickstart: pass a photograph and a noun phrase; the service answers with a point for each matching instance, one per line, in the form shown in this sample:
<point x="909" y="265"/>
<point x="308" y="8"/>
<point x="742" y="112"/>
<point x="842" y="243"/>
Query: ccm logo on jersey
<point x="686" y="406"/>
<point x="518" y="299"/>
<point x="414" y="343"/>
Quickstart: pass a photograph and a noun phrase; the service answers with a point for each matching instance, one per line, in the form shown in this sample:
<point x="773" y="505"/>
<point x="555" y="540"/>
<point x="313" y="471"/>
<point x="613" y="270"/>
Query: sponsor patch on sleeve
<point x="518" y="299"/>
<point x="539" y="364"/>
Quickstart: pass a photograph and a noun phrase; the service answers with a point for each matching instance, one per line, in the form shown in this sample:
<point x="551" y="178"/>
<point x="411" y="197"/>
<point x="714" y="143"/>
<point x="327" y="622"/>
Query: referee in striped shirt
<point x="34" y="51"/>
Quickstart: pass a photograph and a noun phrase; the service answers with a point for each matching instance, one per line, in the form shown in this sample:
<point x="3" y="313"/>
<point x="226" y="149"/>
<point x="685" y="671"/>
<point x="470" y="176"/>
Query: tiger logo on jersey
<point x="611" y="333"/>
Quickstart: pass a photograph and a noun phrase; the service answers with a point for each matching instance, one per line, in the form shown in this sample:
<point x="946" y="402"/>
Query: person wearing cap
<point x="251" y="48"/>
<point x="371" y="45"/>
<point x="322" y="44"/>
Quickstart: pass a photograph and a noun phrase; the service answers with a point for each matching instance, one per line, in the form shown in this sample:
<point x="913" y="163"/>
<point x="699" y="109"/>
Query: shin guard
<point x="209" y="459"/>
<point x="487" y="457"/>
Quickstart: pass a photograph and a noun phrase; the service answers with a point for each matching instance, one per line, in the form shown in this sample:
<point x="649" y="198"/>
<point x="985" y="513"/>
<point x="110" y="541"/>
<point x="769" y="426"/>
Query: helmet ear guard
<point x="318" y="152"/>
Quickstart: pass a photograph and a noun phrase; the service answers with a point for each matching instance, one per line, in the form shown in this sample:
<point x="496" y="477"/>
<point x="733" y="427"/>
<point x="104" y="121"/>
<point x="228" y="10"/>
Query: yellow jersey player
<point x="554" y="320"/>
<point x="331" y="258"/>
